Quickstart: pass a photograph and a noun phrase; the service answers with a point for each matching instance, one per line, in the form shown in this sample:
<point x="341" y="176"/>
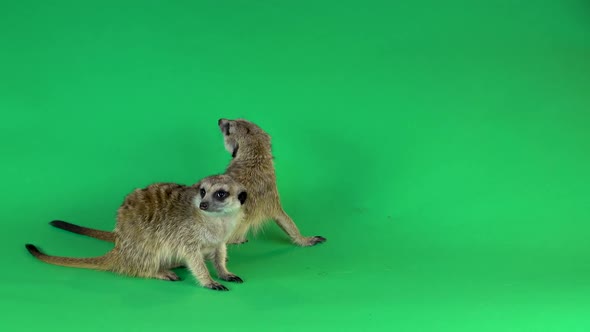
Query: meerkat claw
<point x="217" y="286"/>
<point x="318" y="239"/>
<point x="238" y="242"/>
<point x="312" y="241"/>
<point x="233" y="278"/>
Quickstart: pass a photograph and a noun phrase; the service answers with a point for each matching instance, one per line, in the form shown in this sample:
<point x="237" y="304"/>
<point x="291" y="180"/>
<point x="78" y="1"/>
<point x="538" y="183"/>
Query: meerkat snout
<point x="231" y="144"/>
<point x="204" y="205"/>
<point x="224" y="126"/>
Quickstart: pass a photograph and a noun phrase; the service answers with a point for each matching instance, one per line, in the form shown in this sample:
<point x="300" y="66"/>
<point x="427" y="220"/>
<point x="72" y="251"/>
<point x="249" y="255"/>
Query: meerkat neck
<point x="260" y="159"/>
<point x="260" y="163"/>
<point x="252" y="153"/>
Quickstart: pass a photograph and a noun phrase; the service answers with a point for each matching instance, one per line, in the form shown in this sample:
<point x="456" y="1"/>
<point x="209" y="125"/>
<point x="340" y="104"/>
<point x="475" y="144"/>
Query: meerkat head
<point x="219" y="194"/>
<point x="242" y="137"/>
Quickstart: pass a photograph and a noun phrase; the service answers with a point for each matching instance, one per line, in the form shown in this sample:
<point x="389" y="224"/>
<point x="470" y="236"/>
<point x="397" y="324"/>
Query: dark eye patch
<point x="242" y="197"/>
<point x="226" y="128"/>
<point x="202" y="192"/>
<point x="221" y="194"/>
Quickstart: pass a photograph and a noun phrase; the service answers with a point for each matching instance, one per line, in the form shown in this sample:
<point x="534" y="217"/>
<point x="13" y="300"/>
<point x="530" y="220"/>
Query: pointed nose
<point x="204" y="206"/>
<point x="223" y="125"/>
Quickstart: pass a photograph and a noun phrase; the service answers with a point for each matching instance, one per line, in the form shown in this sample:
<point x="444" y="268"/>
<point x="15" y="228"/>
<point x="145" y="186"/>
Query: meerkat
<point x="253" y="166"/>
<point x="165" y="225"/>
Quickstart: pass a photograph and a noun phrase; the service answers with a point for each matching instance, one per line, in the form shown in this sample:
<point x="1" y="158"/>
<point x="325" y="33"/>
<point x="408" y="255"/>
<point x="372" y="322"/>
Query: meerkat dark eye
<point x="226" y="128"/>
<point x="221" y="194"/>
<point x="202" y="192"/>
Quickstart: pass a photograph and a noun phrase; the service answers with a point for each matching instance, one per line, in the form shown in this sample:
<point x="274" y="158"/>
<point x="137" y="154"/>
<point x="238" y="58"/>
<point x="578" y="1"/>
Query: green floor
<point x="442" y="147"/>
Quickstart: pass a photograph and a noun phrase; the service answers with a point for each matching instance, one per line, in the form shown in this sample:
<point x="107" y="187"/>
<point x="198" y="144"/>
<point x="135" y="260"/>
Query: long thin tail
<point x="91" y="232"/>
<point x="95" y="263"/>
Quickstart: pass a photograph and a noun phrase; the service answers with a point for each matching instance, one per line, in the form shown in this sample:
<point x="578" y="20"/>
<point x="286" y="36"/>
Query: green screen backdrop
<point x="442" y="147"/>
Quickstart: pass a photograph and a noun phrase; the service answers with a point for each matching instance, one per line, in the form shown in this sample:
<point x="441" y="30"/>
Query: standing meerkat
<point x="165" y="225"/>
<point x="252" y="165"/>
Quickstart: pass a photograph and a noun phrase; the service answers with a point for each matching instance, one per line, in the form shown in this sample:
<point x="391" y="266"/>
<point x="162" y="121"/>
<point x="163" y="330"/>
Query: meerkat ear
<point x="242" y="197"/>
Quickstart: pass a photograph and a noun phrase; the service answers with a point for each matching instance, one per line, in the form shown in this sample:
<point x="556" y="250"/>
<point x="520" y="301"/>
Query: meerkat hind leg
<point x="178" y="265"/>
<point x="168" y="275"/>
<point x="239" y="235"/>
<point x="288" y="226"/>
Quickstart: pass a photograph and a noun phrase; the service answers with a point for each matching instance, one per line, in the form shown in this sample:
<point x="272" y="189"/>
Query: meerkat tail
<point x="90" y="232"/>
<point x="95" y="263"/>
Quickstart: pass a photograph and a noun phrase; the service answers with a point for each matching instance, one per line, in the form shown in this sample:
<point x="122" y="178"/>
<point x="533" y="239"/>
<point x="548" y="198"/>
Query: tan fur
<point x="164" y="225"/>
<point x="252" y="165"/>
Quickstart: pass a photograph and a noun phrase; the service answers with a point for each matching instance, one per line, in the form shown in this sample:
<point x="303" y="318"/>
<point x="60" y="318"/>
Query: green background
<point x="442" y="147"/>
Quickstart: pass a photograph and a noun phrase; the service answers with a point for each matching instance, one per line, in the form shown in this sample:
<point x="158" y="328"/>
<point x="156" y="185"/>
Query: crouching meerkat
<point x="253" y="166"/>
<point x="165" y="225"/>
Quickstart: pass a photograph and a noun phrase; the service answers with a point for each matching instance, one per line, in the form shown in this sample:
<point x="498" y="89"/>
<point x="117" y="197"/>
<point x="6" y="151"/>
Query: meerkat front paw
<point x="232" y="278"/>
<point x="312" y="241"/>
<point x="216" y="286"/>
